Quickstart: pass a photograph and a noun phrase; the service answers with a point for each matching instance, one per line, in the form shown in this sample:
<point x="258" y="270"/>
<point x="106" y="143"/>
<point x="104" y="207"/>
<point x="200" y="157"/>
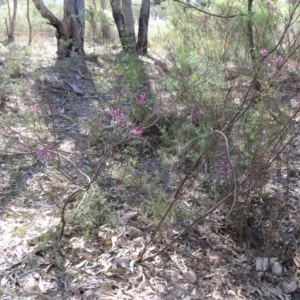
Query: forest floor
<point x="209" y="262"/>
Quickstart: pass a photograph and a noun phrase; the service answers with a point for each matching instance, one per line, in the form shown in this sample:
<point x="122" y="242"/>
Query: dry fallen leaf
<point x="114" y="240"/>
<point x="296" y="259"/>
<point x="30" y="286"/>
<point x="123" y="262"/>
<point x="263" y="263"/>
<point x="276" y="268"/>
<point x="75" y="88"/>
<point x="134" y="233"/>
<point x="129" y="216"/>
<point x="191" y="276"/>
<point x="138" y="242"/>
<point x="89" y="294"/>
<point x="288" y="286"/>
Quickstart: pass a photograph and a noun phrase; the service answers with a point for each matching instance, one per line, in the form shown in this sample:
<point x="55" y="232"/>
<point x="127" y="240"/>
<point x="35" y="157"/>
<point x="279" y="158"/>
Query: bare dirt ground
<point x="210" y="262"/>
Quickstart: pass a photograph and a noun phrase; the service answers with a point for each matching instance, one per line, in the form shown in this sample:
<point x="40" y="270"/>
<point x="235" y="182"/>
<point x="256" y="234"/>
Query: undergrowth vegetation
<point x="214" y="116"/>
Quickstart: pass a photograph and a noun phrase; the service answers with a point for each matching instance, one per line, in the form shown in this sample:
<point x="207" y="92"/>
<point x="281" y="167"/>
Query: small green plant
<point x="92" y="214"/>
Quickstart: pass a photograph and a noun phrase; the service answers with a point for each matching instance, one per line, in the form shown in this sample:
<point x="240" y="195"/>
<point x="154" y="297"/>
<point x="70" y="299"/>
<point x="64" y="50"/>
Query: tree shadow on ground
<point x="51" y="92"/>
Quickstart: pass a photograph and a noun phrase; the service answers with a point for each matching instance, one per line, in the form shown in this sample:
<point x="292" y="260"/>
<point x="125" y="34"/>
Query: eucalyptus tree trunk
<point x="69" y="30"/>
<point x="123" y="16"/>
<point x="105" y="24"/>
<point x="250" y="31"/>
<point x="129" y="22"/>
<point x="75" y="23"/>
<point x="103" y="4"/>
<point x="124" y="21"/>
<point x="12" y="21"/>
<point x="142" y="42"/>
<point x="9" y="14"/>
<point x="9" y="19"/>
<point x="29" y="23"/>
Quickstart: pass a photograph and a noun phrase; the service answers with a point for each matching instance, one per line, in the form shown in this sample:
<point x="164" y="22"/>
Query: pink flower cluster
<point x="263" y="52"/>
<point x="42" y="153"/>
<point x="38" y="152"/>
<point x="120" y="119"/>
<point x="137" y="131"/>
<point x="275" y="8"/>
<point x="23" y="147"/>
<point x="116" y="114"/>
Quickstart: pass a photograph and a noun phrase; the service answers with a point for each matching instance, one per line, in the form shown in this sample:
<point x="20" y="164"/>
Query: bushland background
<point x="166" y="171"/>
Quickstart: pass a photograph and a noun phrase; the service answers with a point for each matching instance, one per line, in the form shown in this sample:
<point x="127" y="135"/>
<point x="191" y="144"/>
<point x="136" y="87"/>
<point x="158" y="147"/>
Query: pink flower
<point x="137" y="131"/>
<point x="275" y="8"/>
<point x="143" y="96"/>
<point x="46" y="155"/>
<point x="39" y="152"/>
<point x="23" y="147"/>
<point x="268" y="2"/>
<point x="114" y="111"/>
<point x="42" y="153"/>
<point x="120" y="118"/>
<point x="116" y="114"/>
<point x="278" y="60"/>
<point x="263" y="52"/>
<point x="33" y="107"/>
<point x="62" y="111"/>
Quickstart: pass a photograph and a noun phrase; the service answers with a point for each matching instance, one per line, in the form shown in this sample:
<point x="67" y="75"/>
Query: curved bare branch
<point x="208" y="13"/>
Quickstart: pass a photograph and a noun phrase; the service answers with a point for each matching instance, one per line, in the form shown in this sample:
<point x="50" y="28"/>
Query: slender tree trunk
<point x="129" y="22"/>
<point x="12" y="21"/>
<point x="120" y="23"/>
<point x="105" y="26"/>
<point x="142" y="43"/>
<point x="250" y="31"/>
<point x="29" y="24"/>
<point x="7" y="30"/>
<point x="93" y="22"/>
<point x="9" y="13"/>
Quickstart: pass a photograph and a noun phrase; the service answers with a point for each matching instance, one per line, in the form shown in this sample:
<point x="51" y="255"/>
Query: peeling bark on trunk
<point x="142" y="43"/>
<point x="74" y="22"/>
<point x="69" y="31"/>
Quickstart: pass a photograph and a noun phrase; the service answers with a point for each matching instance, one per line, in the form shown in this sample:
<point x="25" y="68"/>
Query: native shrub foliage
<point x="231" y="93"/>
